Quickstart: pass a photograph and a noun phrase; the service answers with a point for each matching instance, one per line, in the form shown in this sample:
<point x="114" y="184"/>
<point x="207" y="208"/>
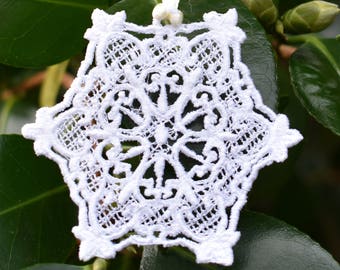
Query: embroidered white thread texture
<point x="161" y="136"/>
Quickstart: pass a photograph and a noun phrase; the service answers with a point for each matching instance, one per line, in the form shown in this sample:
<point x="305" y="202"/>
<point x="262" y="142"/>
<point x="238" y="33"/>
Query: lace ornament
<point x="161" y="136"/>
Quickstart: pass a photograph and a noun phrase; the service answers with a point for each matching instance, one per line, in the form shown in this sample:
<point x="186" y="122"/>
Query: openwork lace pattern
<point x="161" y="136"/>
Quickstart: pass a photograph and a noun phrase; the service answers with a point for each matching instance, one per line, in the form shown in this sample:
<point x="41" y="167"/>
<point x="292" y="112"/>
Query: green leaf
<point x="137" y="11"/>
<point x="54" y="266"/>
<point x="315" y="73"/>
<point x="256" y="50"/>
<point x="36" y="213"/>
<point x="266" y="244"/>
<point x="36" y="33"/>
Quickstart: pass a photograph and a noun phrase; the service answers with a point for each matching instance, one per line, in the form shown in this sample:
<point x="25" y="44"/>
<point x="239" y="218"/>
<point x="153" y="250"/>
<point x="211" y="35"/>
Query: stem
<point x="300" y="38"/>
<point x="5" y="113"/>
<point x="51" y="84"/>
<point x="149" y="257"/>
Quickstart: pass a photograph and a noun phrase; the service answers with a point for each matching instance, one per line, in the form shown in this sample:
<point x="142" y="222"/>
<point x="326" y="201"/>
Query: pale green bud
<point x="100" y="264"/>
<point x="264" y="10"/>
<point x="279" y="27"/>
<point x="310" y="17"/>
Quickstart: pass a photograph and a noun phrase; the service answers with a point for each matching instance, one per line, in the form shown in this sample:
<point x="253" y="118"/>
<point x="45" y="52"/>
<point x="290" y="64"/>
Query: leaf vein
<point x="12" y="242"/>
<point x="73" y="4"/>
<point x="34" y="200"/>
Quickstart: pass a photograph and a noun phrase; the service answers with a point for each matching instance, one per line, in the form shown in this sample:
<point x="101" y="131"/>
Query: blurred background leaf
<point x="40" y="33"/>
<point x="36" y="213"/>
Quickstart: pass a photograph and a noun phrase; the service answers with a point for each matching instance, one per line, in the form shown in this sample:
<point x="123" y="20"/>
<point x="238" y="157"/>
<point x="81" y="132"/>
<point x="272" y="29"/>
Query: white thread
<point x="196" y="127"/>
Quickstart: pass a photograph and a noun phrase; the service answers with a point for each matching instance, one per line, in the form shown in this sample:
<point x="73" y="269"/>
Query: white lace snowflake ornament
<point x="161" y="135"/>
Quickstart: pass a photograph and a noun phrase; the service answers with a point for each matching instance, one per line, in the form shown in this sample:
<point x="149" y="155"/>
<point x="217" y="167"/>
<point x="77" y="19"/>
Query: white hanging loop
<point x="167" y="10"/>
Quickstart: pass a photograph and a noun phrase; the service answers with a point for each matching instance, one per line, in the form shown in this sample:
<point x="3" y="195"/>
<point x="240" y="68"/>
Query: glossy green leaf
<point x="315" y="73"/>
<point x="54" y="266"/>
<point x="138" y="11"/>
<point x="256" y="50"/>
<point x="36" y="33"/>
<point x="266" y="244"/>
<point x="36" y="213"/>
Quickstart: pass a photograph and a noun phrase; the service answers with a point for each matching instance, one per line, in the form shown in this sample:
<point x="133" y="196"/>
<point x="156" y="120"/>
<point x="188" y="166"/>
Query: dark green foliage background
<point x="36" y="213"/>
